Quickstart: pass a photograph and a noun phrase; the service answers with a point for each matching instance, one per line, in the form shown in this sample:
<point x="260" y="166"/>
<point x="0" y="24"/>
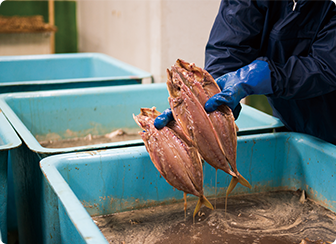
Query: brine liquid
<point x="277" y="217"/>
<point x="49" y="141"/>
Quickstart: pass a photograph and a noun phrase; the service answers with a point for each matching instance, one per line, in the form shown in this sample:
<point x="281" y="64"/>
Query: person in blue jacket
<point x="285" y="50"/>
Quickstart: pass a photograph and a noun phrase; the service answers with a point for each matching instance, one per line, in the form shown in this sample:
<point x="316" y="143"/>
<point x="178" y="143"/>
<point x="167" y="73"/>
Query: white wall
<point x="149" y="34"/>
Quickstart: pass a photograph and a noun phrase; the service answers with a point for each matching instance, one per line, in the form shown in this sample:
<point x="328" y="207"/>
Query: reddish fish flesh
<point x="203" y="86"/>
<point x="178" y="162"/>
<point x="194" y="121"/>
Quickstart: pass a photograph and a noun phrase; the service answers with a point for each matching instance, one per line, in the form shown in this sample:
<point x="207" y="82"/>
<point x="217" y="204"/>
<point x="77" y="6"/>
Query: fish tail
<point x="202" y="201"/>
<point x="234" y="182"/>
<point x="232" y="185"/>
<point x="244" y="182"/>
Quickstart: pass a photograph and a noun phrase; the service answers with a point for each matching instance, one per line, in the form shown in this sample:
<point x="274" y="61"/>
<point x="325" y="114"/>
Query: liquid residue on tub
<point x="277" y="218"/>
<point x="55" y="141"/>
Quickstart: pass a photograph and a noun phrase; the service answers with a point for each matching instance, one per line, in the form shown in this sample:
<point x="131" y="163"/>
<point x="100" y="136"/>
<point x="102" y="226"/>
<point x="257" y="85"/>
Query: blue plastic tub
<point x="103" y="182"/>
<point x="8" y="141"/>
<point x="65" y="114"/>
<point x="62" y="71"/>
<point x="72" y="113"/>
<point x="81" y="111"/>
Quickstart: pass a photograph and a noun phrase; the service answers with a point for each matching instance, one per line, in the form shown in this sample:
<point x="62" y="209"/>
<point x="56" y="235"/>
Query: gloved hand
<point x="163" y="119"/>
<point x="254" y="78"/>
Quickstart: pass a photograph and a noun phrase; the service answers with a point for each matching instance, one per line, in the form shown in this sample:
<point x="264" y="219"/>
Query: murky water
<point x="49" y="141"/>
<point x="276" y="218"/>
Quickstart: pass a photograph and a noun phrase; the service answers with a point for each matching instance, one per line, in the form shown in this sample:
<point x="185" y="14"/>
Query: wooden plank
<point x="52" y="22"/>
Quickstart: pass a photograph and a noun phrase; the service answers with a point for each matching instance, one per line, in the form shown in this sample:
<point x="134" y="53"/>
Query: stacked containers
<point x="8" y="142"/>
<point x="62" y="71"/>
<point x="72" y="113"/>
<point x="65" y="114"/>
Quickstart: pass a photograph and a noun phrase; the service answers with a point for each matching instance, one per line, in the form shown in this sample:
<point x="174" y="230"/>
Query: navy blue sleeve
<point x="235" y="37"/>
<point x="303" y="77"/>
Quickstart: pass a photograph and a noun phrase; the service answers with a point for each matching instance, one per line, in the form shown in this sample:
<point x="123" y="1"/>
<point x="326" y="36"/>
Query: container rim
<point x="272" y="122"/>
<point x="63" y="81"/>
<point x="35" y="146"/>
<point x="7" y="134"/>
<point x="31" y="141"/>
<point x="137" y="73"/>
<point x="81" y="217"/>
<point x="75" y="210"/>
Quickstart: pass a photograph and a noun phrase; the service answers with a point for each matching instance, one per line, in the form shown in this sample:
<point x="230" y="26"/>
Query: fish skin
<point x="178" y="162"/>
<point x="190" y="115"/>
<point x="202" y="84"/>
<point x="227" y="129"/>
<point x="178" y="130"/>
<point x="223" y="123"/>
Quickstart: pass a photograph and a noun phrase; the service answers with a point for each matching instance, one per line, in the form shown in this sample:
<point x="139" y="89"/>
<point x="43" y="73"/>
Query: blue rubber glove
<point x="163" y="119"/>
<point x="254" y="78"/>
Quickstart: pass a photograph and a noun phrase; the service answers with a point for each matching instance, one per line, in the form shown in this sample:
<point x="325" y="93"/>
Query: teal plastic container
<point x="9" y="140"/>
<point x="86" y="182"/>
<point x="72" y="113"/>
<point x="81" y="111"/>
<point x="69" y="113"/>
<point x="62" y="71"/>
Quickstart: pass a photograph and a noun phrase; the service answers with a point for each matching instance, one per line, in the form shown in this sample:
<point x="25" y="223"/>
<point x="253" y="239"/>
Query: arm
<point x="235" y="37"/>
<point x="300" y="77"/>
<point x="310" y="76"/>
<point x="233" y="43"/>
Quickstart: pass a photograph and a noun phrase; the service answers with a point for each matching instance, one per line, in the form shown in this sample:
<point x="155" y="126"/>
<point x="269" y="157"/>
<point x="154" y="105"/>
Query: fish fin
<point x="207" y="203"/>
<point x="198" y="207"/>
<point x="232" y="185"/>
<point x="236" y="127"/>
<point x="244" y="182"/>
<point x="202" y="201"/>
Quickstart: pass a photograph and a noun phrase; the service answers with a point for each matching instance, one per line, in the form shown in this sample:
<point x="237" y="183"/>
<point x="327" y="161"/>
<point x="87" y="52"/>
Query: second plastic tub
<point x="97" y="183"/>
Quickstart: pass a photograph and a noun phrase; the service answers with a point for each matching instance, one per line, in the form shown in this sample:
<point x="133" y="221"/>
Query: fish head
<point x="176" y="88"/>
<point x="193" y="70"/>
<point x="173" y="90"/>
<point x="150" y="112"/>
<point x="174" y="84"/>
<point x="183" y="64"/>
<point x="141" y="121"/>
<point x="186" y="76"/>
<point x="146" y="119"/>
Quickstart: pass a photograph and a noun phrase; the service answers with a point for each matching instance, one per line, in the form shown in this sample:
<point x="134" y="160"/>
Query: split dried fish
<point x="213" y="134"/>
<point x="178" y="162"/>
